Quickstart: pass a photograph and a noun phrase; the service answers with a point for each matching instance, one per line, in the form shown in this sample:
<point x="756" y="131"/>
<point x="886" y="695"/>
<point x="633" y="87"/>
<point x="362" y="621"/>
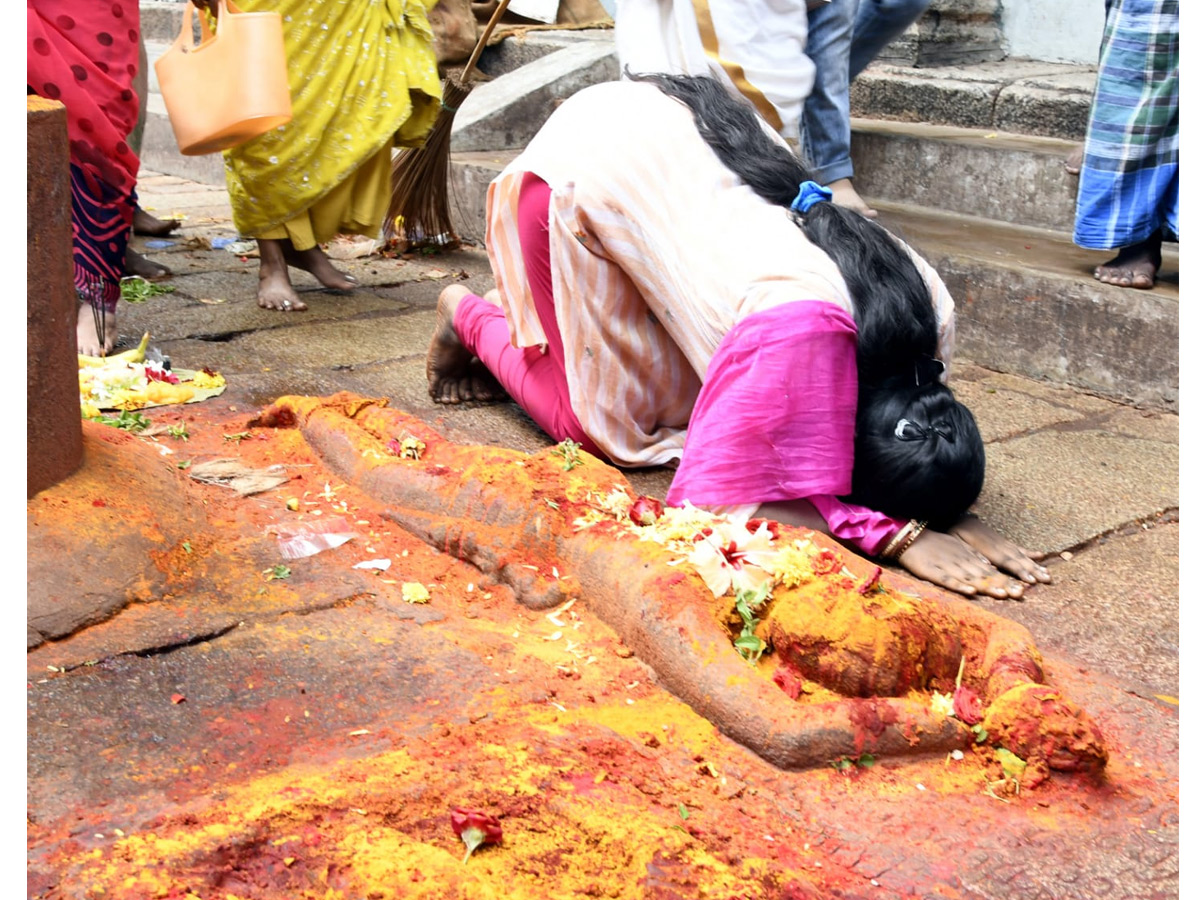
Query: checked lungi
<point x="1129" y="181"/>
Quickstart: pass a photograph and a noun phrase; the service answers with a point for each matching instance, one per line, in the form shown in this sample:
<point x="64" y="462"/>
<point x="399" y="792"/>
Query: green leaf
<point x="126" y="421"/>
<point x="866" y="760"/>
<point x="568" y="450"/>
<point x="683" y="811"/>
<point x="1013" y="765"/>
<point x="187" y="546"/>
<point x="753" y="599"/>
<point x="136" y="289"/>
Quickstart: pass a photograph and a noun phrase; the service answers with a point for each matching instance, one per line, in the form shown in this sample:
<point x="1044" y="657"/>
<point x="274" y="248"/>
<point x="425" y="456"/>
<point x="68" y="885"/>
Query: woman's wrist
<point x="903" y="539"/>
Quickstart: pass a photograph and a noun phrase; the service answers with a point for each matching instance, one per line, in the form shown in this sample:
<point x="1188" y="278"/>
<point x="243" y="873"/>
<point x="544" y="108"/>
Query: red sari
<point x="84" y="53"/>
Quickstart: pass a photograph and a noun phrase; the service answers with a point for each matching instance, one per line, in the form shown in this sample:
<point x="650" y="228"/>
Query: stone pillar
<point x="950" y="33"/>
<point x="54" y="432"/>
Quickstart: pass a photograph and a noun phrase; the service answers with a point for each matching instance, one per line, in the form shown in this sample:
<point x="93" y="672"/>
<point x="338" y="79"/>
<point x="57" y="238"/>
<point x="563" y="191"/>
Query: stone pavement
<point x="1092" y="482"/>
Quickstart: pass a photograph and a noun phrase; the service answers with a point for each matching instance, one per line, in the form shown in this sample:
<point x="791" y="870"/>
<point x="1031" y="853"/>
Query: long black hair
<point x="917" y="451"/>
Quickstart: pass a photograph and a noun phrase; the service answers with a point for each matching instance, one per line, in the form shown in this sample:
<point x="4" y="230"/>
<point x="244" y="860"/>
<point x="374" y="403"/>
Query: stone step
<point x="1028" y="305"/>
<point x="991" y="174"/>
<point x="1026" y="300"/>
<point x="508" y="110"/>
<point x="1013" y="96"/>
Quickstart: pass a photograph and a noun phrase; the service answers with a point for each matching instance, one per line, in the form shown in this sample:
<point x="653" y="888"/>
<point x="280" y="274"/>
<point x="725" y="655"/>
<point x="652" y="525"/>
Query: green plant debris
<point x="847" y="764"/>
<point x="747" y="603"/>
<point x="568" y="451"/>
<point x="126" y="421"/>
<point x="136" y="289"/>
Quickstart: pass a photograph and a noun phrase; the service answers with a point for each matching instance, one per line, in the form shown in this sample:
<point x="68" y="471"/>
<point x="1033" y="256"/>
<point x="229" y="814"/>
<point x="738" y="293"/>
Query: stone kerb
<point x="508" y="111"/>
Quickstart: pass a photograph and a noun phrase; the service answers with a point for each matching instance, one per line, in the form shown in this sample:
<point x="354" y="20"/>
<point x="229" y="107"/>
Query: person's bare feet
<point x="454" y="375"/>
<point x="136" y="264"/>
<point x="1133" y="267"/>
<point x="275" y="289"/>
<point x="152" y="226"/>
<point x="87" y="338"/>
<point x="316" y="263"/>
<point x="845" y="195"/>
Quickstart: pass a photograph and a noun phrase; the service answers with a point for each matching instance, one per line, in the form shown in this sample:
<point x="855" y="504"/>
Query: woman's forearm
<point x="794" y="512"/>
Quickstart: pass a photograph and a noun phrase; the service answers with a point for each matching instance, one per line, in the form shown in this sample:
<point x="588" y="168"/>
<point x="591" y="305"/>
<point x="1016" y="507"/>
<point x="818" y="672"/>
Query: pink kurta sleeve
<point x="866" y="529"/>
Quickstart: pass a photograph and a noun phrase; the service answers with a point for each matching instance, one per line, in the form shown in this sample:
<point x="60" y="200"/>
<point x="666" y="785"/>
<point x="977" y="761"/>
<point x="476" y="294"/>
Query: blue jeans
<point x="843" y="37"/>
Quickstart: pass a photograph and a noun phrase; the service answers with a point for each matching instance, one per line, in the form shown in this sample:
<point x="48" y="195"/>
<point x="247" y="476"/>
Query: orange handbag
<point x="230" y="87"/>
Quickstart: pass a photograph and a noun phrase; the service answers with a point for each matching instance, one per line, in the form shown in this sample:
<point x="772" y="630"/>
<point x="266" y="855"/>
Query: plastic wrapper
<point x="311" y="537"/>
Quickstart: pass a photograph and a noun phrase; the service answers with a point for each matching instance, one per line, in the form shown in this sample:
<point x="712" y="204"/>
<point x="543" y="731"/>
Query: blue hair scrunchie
<point x="810" y="194"/>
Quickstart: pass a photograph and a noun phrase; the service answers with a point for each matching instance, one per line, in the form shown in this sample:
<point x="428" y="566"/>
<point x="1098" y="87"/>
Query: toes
<point x="1004" y="588"/>
<point x="962" y="587"/>
<point x="445" y="391"/>
<point x="282" y="305"/>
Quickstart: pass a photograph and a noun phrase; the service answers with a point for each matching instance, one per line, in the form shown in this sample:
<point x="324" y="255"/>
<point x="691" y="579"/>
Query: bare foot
<point x="86" y="336"/>
<point x="136" y="264"/>
<point x="144" y="223"/>
<point x="482" y="385"/>
<point x="999" y="551"/>
<point x="316" y="263"/>
<point x="845" y="195"/>
<point x="275" y="289"/>
<point x="948" y="561"/>
<point x="454" y="374"/>
<point x="1133" y="267"/>
<point x="1074" y="161"/>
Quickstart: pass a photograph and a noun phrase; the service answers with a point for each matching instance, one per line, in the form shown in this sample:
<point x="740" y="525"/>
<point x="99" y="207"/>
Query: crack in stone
<point x="163" y="649"/>
<point x="171" y="647"/>
<point x="1169" y="516"/>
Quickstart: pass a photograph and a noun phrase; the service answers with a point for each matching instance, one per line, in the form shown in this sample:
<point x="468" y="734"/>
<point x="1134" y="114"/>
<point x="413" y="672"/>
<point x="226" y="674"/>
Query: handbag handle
<point x="224" y="7"/>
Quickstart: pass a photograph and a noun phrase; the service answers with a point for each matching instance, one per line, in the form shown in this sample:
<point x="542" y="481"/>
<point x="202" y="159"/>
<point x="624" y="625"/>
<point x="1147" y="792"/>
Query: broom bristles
<point x="419" y="210"/>
<point x="420" y="203"/>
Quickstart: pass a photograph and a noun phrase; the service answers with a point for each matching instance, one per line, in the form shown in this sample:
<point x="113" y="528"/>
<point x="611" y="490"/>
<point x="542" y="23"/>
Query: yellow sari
<point x="363" y="78"/>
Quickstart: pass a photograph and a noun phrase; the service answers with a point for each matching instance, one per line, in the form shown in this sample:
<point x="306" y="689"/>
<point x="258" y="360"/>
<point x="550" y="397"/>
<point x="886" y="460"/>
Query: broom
<point x="420" y="204"/>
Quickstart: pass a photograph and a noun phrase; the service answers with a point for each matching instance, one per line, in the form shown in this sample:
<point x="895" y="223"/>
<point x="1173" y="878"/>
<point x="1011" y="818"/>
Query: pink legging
<point x="536" y="381"/>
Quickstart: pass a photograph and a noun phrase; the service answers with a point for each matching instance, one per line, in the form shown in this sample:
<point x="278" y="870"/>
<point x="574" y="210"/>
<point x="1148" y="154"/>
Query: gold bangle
<point x="918" y="530"/>
<point x="889" y="552"/>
